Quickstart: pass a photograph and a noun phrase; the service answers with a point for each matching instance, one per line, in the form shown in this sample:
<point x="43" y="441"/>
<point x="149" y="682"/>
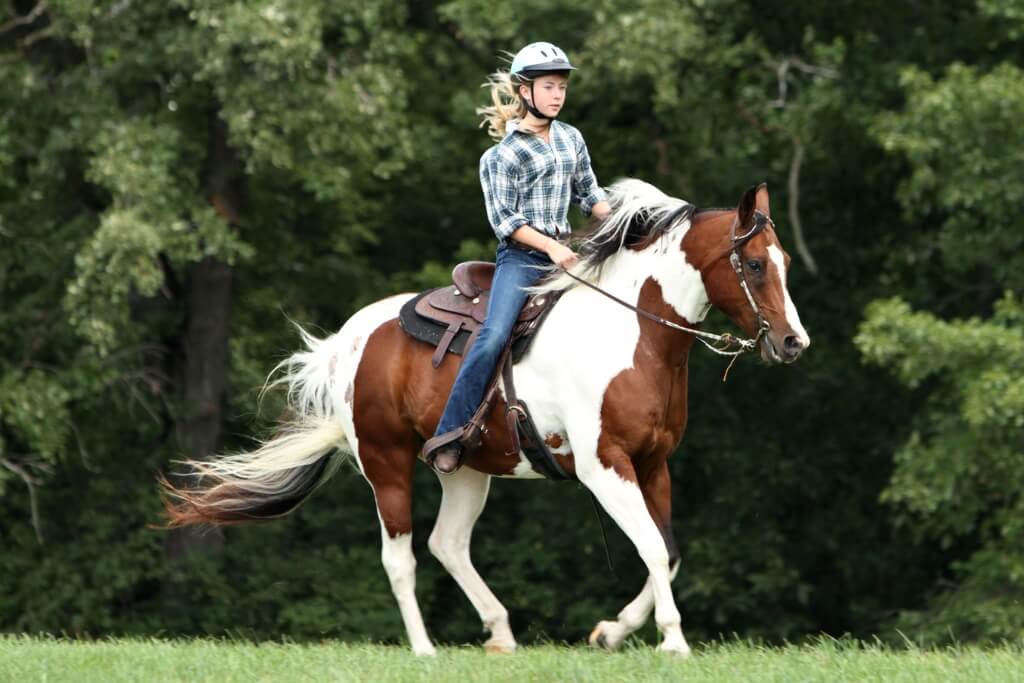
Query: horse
<point x="607" y="388"/>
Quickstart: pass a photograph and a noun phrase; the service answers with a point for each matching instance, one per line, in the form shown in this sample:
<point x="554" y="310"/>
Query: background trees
<point x="179" y="179"/>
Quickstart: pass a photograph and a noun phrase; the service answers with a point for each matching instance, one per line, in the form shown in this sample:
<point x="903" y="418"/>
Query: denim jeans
<point x="515" y="270"/>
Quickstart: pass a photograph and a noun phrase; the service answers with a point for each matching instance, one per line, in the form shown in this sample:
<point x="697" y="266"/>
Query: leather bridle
<point x="761" y="221"/>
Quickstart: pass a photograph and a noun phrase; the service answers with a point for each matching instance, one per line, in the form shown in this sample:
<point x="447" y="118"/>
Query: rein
<point x="726" y="340"/>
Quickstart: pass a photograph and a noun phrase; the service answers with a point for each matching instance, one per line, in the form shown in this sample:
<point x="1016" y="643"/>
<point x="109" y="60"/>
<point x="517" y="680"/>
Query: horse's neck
<point x="679" y="295"/>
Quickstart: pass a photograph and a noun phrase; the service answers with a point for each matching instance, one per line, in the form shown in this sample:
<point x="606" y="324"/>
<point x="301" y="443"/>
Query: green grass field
<point x="25" y="659"/>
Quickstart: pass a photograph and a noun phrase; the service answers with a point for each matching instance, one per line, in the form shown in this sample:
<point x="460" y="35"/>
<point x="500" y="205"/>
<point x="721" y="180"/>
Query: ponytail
<point x="505" y="104"/>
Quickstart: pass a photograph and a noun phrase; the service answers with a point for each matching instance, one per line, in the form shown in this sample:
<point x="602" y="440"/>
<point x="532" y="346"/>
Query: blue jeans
<point x="515" y="270"/>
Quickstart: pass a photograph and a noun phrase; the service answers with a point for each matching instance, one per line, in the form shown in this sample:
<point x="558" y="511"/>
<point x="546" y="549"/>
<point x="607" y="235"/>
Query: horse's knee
<point x="655" y="556"/>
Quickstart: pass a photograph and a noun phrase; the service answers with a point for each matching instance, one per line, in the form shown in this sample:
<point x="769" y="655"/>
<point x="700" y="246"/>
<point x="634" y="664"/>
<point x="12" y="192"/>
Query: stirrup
<point x="435" y="443"/>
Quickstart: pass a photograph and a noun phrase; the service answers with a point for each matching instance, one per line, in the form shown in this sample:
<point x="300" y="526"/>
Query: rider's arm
<point x="586" y="193"/>
<point x="499" y="180"/>
<point x="556" y="251"/>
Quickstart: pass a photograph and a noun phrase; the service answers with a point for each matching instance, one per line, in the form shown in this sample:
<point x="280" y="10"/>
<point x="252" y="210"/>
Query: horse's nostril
<point x="793" y="345"/>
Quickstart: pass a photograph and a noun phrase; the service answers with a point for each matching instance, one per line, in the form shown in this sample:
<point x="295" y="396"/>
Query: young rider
<point x="537" y="168"/>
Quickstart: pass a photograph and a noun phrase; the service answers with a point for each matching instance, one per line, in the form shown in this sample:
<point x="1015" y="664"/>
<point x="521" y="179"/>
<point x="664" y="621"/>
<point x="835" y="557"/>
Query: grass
<point x="45" y="659"/>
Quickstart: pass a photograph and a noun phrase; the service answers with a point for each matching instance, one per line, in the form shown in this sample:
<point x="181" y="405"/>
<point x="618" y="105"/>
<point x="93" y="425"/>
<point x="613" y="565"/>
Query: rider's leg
<point x="515" y="269"/>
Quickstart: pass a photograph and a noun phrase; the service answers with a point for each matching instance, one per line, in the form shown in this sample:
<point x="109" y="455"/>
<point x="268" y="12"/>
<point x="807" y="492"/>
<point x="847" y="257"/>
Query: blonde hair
<point x="505" y="103"/>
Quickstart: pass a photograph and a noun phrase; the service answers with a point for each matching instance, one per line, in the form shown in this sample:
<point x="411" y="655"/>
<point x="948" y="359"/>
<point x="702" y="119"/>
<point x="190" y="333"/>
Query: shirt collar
<point x="512" y="126"/>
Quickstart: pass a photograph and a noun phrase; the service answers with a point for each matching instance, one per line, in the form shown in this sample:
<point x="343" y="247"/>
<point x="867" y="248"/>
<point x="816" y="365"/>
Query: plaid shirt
<point x="527" y="181"/>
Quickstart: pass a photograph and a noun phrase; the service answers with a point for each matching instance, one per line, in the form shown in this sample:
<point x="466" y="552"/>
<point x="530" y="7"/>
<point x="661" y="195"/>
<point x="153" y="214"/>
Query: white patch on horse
<point x="400" y="564"/>
<point x="792" y="317"/>
<point x="681" y="283"/>
<point x="587" y="340"/>
<point x="465" y="492"/>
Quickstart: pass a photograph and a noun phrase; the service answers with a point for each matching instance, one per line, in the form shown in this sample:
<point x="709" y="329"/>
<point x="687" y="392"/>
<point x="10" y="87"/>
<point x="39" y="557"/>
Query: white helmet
<point x="539" y="58"/>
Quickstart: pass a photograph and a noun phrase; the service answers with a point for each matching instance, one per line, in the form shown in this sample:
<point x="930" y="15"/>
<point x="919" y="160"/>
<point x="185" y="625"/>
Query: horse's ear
<point x="748" y="202"/>
<point x="761" y="200"/>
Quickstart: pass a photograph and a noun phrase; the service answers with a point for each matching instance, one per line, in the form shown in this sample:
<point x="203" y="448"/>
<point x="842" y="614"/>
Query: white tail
<point x="284" y="471"/>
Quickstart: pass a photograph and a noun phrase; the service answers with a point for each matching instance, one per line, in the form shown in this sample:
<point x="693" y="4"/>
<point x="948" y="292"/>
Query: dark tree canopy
<point x="179" y="179"/>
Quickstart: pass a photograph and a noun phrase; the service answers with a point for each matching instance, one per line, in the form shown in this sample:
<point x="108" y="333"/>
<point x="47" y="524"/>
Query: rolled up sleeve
<point x="585" y="190"/>
<point x="498" y="178"/>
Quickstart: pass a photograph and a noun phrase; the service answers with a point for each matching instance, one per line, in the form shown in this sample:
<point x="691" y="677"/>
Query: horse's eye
<point x="754" y="266"/>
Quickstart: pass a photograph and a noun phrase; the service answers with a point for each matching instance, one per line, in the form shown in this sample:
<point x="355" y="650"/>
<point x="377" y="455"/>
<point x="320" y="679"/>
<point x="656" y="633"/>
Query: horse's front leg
<point x="610" y="475"/>
<point x="657" y="493"/>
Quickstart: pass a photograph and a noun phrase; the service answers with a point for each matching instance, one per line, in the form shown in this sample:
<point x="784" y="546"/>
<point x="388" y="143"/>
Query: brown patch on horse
<point x="643" y="414"/>
<point x="553" y="440"/>
<point x="707" y="249"/>
<point x="398" y="400"/>
<point x="387" y="447"/>
<point x="418" y="392"/>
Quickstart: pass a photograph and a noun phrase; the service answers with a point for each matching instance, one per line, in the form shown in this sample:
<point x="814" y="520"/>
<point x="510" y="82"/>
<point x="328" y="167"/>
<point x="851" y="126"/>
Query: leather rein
<point x="726" y="341"/>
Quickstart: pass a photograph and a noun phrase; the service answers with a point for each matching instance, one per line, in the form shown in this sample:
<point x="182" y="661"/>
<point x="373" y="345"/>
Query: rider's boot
<point x="448" y="458"/>
<point x="444" y="451"/>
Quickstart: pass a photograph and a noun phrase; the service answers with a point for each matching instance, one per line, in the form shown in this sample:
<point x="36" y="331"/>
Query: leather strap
<point x="430" y="448"/>
<point x="475" y="428"/>
<point x="446" y="341"/>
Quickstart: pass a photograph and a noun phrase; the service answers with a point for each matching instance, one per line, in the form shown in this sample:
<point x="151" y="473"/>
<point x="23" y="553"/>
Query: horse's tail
<point x="282" y="472"/>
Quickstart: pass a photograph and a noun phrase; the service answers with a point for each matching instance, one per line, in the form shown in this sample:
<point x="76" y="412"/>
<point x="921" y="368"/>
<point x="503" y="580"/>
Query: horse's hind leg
<point x="656" y="490"/>
<point x="391" y="480"/>
<point x="464" y="495"/>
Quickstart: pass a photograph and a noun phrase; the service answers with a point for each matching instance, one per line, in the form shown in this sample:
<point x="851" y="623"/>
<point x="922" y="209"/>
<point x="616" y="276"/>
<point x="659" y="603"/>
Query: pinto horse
<point x="606" y="385"/>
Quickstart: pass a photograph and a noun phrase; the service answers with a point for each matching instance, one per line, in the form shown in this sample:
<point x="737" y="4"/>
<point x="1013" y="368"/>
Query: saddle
<point x="450" y="318"/>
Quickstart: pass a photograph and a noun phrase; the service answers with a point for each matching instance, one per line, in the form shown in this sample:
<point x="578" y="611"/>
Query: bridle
<point x="725" y="342"/>
<point x="761" y="220"/>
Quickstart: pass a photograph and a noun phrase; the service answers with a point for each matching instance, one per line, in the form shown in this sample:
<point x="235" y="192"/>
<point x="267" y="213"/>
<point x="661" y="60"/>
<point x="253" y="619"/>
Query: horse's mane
<point x="640" y="212"/>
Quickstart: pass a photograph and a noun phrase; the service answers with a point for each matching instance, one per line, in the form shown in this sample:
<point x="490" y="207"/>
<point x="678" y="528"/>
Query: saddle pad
<point x="418" y="327"/>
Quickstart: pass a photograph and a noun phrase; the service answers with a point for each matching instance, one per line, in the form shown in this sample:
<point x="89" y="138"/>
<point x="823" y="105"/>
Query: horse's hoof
<point x="676" y="650"/>
<point x="427" y="651"/>
<point x="607" y="634"/>
<point x="494" y="647"/>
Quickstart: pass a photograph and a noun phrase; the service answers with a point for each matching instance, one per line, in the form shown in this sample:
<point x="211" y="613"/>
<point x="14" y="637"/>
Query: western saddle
<point x="462" y="307"/>
<point x="450" y="318"/>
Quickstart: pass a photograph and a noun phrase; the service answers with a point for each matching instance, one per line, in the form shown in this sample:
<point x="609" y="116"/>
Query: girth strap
<point x="523" y="432"/>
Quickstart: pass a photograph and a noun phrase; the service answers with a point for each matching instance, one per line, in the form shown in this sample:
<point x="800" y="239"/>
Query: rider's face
<point x="548" y="93"/>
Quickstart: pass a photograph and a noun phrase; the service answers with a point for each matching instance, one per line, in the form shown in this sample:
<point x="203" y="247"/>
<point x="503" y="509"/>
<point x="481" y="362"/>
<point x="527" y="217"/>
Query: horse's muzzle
<point x="786" y="352"/>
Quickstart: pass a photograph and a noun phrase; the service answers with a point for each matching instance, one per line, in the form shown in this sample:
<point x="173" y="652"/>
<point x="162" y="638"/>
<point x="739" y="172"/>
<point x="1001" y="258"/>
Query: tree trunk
<point x="203" y="359"/>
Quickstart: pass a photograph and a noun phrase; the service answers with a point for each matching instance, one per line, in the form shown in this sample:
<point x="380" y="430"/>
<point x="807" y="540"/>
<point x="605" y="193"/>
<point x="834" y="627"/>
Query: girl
<point x="537" y="168"/>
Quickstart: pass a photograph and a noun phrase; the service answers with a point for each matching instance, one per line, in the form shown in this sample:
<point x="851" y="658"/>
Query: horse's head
<point x="749" y="283"/>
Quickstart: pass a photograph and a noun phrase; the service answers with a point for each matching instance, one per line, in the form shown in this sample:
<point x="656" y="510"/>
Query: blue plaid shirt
<point x="527" y="181"/>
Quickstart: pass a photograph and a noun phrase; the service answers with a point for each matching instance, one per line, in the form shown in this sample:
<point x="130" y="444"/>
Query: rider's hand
<point x="561" y="255"/>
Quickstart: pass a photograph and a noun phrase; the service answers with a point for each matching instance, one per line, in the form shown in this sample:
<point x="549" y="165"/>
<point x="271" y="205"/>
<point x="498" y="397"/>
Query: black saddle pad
<point x="425" y="330"/>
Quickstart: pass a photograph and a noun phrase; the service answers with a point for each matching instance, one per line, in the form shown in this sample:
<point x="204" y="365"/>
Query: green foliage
<point x="327" y="151"/>
<point x="961" y="136"/>
<point x="960" y="473"/>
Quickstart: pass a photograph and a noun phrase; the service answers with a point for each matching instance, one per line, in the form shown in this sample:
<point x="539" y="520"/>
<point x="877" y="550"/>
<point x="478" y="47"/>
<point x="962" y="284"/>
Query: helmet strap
<point x="532" y="109"/>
